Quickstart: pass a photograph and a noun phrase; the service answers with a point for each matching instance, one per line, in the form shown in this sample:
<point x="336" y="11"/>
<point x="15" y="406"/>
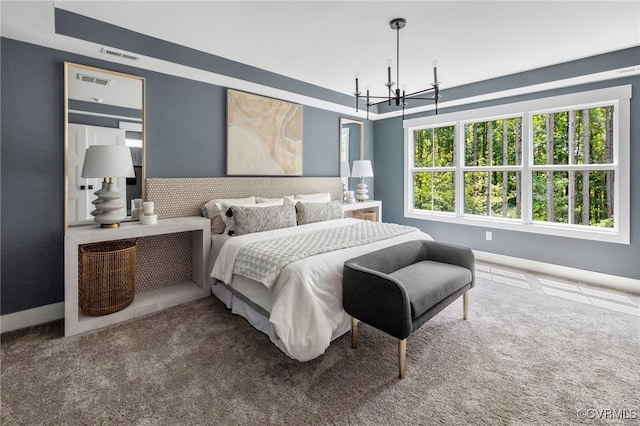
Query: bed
<point x="301" y="311"/>
<point x="299" y="306"/>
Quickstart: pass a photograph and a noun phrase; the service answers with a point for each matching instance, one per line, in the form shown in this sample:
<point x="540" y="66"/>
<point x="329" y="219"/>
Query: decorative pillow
<point x="318" y="212"/>
<point x="285" y="199"/>
<point x="215" y="211"/>
<point x="318" y="197"/>
<point x="257" y="219"/>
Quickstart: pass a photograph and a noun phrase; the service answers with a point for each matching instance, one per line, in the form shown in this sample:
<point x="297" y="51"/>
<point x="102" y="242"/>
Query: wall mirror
<point x="101" y="108"/>
<point x="351" y="143"/>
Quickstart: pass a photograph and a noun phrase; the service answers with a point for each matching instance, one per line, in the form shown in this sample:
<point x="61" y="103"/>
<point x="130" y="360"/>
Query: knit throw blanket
<point x="263" y="260"/>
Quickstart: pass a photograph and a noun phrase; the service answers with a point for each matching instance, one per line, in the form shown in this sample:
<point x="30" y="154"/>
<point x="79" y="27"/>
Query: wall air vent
<point x="93" y="79"/>
<point x="119" y="54"/>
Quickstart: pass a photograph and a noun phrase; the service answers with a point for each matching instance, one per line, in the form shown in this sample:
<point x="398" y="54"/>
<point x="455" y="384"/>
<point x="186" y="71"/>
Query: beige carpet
<point x="536" y="350"/>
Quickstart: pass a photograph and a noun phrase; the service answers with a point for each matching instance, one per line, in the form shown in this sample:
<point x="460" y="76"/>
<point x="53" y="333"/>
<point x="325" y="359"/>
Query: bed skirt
<point x="258" y="317"/>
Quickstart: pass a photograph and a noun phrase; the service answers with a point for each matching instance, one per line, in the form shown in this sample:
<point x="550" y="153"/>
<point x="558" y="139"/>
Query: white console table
<point x="348" y="208"/>
<point x="146" y="302"/>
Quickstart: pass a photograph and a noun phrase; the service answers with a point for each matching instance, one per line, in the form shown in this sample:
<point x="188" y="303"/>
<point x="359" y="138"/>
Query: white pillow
<point x="318" y="197"/>
<point x="272" y="202"/>
<point x="287" y="199"/>
<point x="213" y="209"/>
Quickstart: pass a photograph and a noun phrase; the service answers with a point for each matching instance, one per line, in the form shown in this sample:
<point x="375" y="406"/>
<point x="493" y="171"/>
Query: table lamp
<point x="362" y="169"/>
<point x="108" y="162"/>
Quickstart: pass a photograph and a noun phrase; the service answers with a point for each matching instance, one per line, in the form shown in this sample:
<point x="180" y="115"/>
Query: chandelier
<point x="395" y="94"/>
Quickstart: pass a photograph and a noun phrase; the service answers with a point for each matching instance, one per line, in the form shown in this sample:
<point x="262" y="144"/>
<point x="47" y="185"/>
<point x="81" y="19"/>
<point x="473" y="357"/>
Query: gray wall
<point x="617" y="259"/>
<point x="32" y="177"/>
<point x="186" y="137"/>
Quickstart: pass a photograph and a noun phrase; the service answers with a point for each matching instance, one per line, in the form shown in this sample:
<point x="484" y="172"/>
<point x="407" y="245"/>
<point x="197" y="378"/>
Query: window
<point x="573" y="167"/>
<point x="493" y="167"/>
<point x="434" y="169"/>
<point x="555" y="166"/>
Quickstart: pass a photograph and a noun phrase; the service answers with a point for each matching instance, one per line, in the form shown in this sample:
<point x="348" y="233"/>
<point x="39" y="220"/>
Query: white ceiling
<point x="326" y="43"/>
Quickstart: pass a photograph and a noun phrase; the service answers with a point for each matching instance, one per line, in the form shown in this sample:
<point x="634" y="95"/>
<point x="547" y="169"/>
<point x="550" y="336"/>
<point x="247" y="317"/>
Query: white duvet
<point x="307" y="295"/>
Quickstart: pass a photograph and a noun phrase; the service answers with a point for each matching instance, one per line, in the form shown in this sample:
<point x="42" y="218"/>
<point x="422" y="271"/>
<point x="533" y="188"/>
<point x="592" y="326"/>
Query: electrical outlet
<point x="488" y="235"/>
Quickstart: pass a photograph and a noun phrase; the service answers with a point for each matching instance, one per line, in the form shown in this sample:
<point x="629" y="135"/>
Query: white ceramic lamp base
<point x="109" y="207"/>
<point x="96" y="203"/>
<point x="361" y="192"/>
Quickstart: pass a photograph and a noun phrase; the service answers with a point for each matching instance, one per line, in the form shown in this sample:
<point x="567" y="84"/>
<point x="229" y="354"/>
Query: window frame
<point x="439" y="169"/>
<point x="488" y="169"/>
<point x="618" y="96"/>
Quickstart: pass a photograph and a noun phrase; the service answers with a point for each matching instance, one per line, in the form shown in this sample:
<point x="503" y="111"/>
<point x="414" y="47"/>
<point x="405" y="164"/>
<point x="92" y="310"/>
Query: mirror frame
<point x="67" y="66"/>
<point x="344" y="120"/>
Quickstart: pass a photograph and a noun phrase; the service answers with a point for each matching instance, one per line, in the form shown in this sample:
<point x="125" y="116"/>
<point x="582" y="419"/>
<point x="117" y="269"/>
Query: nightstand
<point x="146" y="302"/>
<point x="374" y="205"/>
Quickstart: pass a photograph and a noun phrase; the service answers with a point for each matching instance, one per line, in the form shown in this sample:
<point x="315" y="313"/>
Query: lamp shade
<point x="107" y="161"/>
<point x="344" y="169"/>
<point x="362" y="168"/>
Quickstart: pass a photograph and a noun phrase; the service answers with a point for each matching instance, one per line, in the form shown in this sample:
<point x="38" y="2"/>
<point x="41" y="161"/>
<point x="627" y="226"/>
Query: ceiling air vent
<point x="119" y="54"/>
<point x="93" y="79"/>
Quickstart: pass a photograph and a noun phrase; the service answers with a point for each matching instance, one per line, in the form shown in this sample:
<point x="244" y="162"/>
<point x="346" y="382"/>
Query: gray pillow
<point x="258" y="219"/>
<point x="318" y="212"/>
<point x="216" y="209"/>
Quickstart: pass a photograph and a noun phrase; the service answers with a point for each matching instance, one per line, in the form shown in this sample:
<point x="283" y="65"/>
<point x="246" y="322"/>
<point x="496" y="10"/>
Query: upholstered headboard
<point x="177" y="197"/>
<point x="165" y="260"/>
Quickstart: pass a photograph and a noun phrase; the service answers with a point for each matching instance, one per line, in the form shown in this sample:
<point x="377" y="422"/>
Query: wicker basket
<point x="365" y="214"/>
<point x="107" y="276"/>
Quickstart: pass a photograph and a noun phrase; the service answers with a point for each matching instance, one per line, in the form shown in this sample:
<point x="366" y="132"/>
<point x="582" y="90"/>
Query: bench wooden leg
<point x="354" y="333"/>
<point x="402" y="358"/>
<point x="465" y="305"/>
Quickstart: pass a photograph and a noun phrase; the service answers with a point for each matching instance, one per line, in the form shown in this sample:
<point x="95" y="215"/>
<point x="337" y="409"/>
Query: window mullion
<point x="459" y="162"/>
<point x="492" y="169"/>
<point x="409" y="166"/>
<point x="433" y="169"/>
<point x="591" y="167"/>
<point x="527" y="162"/>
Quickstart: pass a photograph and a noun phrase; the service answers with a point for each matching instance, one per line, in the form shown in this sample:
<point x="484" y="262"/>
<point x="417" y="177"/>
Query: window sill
<point x="560" y="230"/>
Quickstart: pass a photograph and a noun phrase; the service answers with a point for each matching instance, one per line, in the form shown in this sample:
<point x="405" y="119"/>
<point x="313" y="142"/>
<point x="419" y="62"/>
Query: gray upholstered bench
<point x="399" y="288"/>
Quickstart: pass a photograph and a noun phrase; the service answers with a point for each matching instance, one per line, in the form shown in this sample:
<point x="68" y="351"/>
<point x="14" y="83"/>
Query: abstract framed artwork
<point x="264" y="136"/>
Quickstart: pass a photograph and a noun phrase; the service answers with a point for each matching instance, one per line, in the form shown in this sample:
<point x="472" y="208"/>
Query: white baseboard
<point x="31" y="317"/>
<point x="615" y="282"/>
